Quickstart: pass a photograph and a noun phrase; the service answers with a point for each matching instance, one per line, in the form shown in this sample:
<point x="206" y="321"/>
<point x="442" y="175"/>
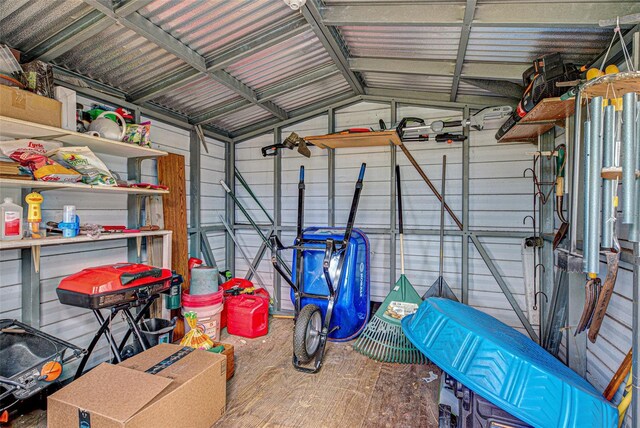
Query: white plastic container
<point x="208" y="308"/>
<point x="10" y="221"/>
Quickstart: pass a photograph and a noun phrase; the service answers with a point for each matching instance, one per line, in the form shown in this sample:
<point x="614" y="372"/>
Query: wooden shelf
<point x="9" y="183"/>
<point x="58" y="240"/>
<point x="611" y="85"/>
<point x="544" y="116"/>
<point x="356" y="139"/>
<point x="15" y="128"/>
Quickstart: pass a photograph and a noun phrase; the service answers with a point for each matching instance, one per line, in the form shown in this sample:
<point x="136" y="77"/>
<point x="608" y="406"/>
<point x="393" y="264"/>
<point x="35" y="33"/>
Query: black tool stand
<point x="144" y="302"/>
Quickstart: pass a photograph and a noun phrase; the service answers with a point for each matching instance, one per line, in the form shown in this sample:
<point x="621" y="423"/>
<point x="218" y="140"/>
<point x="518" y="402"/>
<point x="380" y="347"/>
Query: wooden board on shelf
<point x="13" y="183"/>
<point x="356" y="139"/>
<point x="611" y="85"/>
<point x="526" y="133"/>
<point x="550" y="110"/>
<point x="16" y="128"/>
<point x="544" y="116"/>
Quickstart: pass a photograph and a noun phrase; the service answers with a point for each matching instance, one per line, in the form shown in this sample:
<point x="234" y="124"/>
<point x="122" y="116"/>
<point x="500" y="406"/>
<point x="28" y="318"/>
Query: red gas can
<point x="248" y="315"/>
<point x="237" y="283"/>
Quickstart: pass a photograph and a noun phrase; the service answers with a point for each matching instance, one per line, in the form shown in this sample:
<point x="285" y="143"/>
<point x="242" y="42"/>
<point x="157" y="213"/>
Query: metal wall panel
<point x="196" y="97"/>
<point x="207" y="26"/>
<point x="284" y="60"/>
<point x="491" y="169"/>
<point x="514" y="44"/>
<point x="413" y="42"/>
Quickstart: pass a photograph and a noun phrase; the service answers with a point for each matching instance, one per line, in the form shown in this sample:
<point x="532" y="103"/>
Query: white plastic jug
<point x="10" y="220"/>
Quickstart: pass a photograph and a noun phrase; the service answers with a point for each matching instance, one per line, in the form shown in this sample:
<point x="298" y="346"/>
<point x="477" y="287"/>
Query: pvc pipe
<point x="595" y="187"/>
<point x="574" y="152"/>
<point x="634" y="230"/>
<point x="608" y="215"/>
<point x="586" y="244"/>
<point x="628" y="157"/>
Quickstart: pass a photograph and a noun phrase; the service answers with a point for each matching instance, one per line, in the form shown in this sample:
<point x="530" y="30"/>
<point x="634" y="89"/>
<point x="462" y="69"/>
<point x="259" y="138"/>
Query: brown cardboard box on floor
<point x="161" y="387"/>
<point x="24" y="105"/>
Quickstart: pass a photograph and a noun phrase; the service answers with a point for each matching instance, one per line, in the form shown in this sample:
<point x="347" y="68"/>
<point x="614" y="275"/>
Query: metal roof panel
<point x="279" y="62"/>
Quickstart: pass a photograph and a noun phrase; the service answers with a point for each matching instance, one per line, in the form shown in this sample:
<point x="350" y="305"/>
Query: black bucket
<point x="158" y="330"/>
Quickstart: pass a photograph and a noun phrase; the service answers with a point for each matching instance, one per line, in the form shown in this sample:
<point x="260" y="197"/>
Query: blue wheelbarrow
<point x="329" y="285"/>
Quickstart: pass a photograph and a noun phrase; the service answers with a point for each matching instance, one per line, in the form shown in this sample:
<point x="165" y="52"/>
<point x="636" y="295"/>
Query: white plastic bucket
<point x="208" y="313"/>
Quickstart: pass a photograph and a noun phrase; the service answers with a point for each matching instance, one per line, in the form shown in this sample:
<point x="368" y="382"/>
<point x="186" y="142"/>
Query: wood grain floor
<point x="350" y="390"/>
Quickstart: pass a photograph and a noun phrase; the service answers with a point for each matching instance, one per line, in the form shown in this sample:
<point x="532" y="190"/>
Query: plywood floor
<point x="350" y="390"/>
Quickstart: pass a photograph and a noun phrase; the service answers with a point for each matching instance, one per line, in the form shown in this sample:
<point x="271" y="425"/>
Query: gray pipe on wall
<point x="634" y="230"/>
<point x="595" y="187"/>
<point x="628" y="157"/>
<point x="586" y="245"/>
<point x="608" y="213"/>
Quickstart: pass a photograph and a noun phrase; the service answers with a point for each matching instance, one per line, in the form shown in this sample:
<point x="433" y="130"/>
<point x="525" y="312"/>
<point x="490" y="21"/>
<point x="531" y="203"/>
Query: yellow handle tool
<point x="34" y="213"/>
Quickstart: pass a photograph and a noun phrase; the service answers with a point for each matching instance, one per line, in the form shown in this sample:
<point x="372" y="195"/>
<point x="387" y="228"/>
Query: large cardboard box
<point x="165" y="386"/>
<point x="25" y="105"/>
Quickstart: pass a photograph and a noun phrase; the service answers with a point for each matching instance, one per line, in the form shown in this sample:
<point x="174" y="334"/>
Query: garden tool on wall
<point x="561" y="160"/>
<point x="293" y="140"/>
<point x="441" y="128"/>
<point x="440" y="288"/>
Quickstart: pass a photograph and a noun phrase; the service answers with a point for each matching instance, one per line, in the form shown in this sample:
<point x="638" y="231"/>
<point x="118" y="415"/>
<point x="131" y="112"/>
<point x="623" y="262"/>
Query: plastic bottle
<point x="10" y="220"/>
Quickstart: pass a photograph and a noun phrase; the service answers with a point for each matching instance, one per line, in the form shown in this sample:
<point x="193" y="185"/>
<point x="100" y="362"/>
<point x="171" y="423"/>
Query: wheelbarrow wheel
<point x="306" y="334"/>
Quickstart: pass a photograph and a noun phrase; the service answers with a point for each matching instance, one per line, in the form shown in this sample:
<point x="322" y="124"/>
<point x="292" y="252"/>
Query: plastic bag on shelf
<point x="83" y="160"/>
<point x="31" y="154"/>
<point x="138" y="133"/>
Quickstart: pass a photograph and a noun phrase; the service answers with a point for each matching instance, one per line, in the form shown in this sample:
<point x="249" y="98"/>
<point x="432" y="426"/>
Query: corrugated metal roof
<point x="408" y="82"/>
<point x="242" y="118"/>
<point x="313" y="93"/>
<point x="465" y="88"/>
<point x="511" y="44"/>
<point x="121" y="58"/>
<point x="36" y="21"/>
<point x="209" y="25"/>
<point x="402" y="42"/>
<point x="277" y="63"/>
<point x="196" y="97"/>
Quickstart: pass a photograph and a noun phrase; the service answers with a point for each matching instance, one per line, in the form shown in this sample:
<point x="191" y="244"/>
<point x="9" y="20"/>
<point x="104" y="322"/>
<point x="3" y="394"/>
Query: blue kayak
<point x="505" y="367"/>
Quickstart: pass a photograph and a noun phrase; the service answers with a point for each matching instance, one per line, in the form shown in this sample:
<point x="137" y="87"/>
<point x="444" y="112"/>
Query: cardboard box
<point x="165" y="386"/>
<point x="24" y="105"/>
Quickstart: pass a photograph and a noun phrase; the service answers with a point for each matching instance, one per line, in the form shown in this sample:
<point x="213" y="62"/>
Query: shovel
<point x="440" y="288"/>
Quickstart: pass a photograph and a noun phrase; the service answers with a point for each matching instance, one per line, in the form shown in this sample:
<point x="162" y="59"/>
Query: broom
<point x="383" y="338"/>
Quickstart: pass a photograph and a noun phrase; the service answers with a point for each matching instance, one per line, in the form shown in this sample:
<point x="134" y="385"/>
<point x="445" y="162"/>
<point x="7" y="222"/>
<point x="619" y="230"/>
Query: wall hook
<point x="533" y="220"/>
<point x="535" y="299"/>
<point x="524" y="173"/>
<point x="544" y="269"/>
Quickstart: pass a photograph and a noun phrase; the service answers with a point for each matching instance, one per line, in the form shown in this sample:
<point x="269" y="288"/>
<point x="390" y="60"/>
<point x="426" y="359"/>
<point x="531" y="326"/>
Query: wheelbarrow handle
<point x="363" y="167"/>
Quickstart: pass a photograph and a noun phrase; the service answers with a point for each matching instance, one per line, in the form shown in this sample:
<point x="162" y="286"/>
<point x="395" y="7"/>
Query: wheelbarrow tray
<point x="351" y="310"/>
<point x="23" y="353"/>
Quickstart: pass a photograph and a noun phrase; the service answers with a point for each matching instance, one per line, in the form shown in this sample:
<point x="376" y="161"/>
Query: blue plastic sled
<point x="505" y="367"/>
<point x="351" y="310"/>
